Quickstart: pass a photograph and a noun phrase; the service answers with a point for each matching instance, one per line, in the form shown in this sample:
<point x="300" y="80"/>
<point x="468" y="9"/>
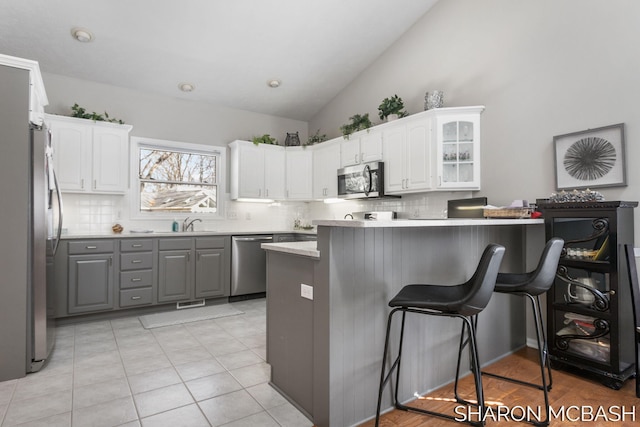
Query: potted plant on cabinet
<point x="358" y="122"/>
<point x="316" y="138"/>
<point x="391" y="108"/>
<point x="264" y="139"/>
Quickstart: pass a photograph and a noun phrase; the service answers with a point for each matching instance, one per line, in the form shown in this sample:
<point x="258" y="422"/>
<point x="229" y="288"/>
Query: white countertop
<point x="308" y="249"/>
<point x="197" y="233"/>
<point x="453" y="222"/>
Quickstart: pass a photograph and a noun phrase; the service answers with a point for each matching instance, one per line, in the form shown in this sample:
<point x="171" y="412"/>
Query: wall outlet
<point x="231" y="214"/>
<point x="248" y="216"/>
<point x="306" y="291"/>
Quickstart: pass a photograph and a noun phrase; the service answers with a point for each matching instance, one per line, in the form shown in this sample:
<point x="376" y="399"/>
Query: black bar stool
<point x="635" y="301"/>
<point x="462" y="301"/>
<point x="531" y="285"/>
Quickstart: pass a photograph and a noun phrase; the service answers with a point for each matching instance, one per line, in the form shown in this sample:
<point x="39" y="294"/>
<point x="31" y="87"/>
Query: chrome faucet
<point x="188" y="226"/>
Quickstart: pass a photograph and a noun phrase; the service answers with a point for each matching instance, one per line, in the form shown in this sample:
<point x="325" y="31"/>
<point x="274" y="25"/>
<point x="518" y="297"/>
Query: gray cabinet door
<point x="210" y="273"/>
<point x="174" y="276"/>
<point x="90" y="283"/>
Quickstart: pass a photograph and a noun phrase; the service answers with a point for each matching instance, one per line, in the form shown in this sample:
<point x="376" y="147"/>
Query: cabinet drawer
<point x="136" y="261"/>
<point x="90" y="247"/>
<point x="127" y="245"/>
<point x="136" y="279"/>
<point x="132" y="297"/>
<point x="174" y="244"/>
<point x="210" y="242"/>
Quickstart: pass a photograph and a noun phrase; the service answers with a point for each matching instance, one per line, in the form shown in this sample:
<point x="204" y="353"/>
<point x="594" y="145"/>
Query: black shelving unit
<point x="589" y="314"/>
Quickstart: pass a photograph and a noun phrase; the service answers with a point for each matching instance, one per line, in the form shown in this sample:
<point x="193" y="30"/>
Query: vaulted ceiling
<point x="228" y="49"/>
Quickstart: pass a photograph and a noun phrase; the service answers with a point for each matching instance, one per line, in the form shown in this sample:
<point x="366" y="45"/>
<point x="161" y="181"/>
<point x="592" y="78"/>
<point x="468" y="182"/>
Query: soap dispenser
<point x="175" y="226"/>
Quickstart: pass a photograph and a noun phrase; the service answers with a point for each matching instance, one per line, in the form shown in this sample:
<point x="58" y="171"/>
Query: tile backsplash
<point x="96" y="214"/>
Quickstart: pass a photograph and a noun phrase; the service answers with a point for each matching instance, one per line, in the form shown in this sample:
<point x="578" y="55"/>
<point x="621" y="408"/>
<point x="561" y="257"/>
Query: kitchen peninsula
<point x="327" y="308"/>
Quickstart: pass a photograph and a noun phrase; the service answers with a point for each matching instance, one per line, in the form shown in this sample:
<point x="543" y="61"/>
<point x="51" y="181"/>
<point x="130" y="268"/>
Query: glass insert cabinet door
<point x="458" y="159"/>
<point x="589" y="316"/>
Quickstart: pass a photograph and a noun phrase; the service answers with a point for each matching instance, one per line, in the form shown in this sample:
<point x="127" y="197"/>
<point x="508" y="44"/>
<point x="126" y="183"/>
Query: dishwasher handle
<point x="254" y="239"/>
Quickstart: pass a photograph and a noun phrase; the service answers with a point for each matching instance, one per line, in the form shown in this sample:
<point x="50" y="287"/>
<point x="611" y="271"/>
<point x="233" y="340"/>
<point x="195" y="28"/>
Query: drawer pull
<point x="138" y="245"/>
<point x="136" y="298"/>
<point x="136" y="261"/>
<point x="136" y="279"/>
<point x="91" y="247"/>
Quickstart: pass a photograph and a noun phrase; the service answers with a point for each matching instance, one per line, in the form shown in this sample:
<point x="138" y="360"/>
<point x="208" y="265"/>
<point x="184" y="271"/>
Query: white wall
<point x="541" y="68"/>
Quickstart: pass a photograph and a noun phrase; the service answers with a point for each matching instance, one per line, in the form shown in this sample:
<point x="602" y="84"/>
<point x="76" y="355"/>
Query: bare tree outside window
<point x="177" y="181"/>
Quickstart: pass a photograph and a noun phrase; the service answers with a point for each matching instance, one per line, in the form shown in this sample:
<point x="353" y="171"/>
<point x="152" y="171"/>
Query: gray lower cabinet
<point x="193" y="268"/>
<point x="137" y="276"/>
<point x="108" y="274"/>
<point x="213" y="267"/>
<point x="174" y="275"/>
<point x="90" y="276"/>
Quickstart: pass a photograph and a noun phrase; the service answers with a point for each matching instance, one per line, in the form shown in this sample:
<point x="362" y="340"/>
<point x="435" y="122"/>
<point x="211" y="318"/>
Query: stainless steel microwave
<point x="361" y="181"/>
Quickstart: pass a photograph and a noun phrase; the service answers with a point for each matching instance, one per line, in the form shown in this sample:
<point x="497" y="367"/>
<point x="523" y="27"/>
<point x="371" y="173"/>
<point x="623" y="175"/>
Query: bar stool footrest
<point x="517" y="381"/>
<point x="437" y="414"/>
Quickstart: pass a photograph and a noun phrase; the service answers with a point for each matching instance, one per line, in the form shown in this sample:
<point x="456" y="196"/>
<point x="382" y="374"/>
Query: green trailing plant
<point x="393" y="105"/>
<point x="316" y="138"/>
<point x="79" y="112"/>
<point x="265" y="139"/>
<point x="358" y="122"/>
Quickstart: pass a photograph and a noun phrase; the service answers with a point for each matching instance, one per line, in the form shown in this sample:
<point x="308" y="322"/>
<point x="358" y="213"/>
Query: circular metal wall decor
<point x="590" y="158"/>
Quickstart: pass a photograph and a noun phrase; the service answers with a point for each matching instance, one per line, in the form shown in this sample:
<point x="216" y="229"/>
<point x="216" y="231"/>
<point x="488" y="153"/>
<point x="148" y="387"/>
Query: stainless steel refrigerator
<point x="30" y="215"/>
<point x="45" y="228"/>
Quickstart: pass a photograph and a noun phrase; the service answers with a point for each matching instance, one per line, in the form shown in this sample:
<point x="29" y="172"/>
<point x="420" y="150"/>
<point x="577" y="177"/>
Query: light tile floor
<point x="116" y="373"/>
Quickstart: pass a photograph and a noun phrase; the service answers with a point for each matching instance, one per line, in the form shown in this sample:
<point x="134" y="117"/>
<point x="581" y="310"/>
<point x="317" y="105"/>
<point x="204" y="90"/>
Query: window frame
<point x="161" y="144"/>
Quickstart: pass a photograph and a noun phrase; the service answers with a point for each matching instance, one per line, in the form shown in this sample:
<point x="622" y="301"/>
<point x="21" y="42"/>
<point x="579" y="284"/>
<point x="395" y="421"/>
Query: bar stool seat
<point x="531" y="285"/>
<point x="462" y="301"/>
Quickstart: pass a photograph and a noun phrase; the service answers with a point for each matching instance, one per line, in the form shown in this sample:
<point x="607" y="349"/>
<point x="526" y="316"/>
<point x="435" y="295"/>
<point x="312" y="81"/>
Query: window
<point x="177" y="178"/>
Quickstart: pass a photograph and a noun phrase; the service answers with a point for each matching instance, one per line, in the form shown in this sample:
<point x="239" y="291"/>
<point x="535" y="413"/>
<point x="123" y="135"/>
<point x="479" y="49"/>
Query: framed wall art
<point x="590" y="159"/>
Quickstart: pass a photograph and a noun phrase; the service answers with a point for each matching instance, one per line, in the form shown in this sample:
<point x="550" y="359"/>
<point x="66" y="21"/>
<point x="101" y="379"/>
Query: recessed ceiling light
<point x="186" y="87"/>
<point x="81" y="34"/>
<point x="274" y="83"/>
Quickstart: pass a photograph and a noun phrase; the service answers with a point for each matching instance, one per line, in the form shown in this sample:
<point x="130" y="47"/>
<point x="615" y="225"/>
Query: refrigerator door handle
<point x="60" y="211"/>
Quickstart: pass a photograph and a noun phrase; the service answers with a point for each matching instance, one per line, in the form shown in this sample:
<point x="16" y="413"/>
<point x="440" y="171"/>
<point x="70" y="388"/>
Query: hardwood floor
<point x="575" y="393"/>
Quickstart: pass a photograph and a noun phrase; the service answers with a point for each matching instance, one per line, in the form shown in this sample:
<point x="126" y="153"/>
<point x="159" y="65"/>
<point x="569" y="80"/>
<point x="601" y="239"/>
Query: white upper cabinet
<point x="274" y="172"/>
<point x="89" y="157"/>
<point x="457" y="137"/>
<point x="299" y="173"/>
<point x="405" y="145"/>
<point x="257" y="171"/>
<point x="361" y="147"/>
<point x="326" y="162"/>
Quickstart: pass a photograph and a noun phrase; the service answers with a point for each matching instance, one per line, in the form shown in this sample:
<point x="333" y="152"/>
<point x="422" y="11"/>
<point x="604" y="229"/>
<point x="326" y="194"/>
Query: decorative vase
<point x="433" y="99"/>
<point x="392" y="117"/>
<point x="292" y="140"/>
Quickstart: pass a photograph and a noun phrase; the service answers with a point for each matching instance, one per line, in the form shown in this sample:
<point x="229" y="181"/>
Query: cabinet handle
<point x="91" y="247"/>
<point x="136" y="279"/>
<point x="95" y="184"/>
<point x="82" y="184"/>
<point x="188" y="256"/>
<point x="266" y="192"/>
<point x="361" y="157"/>
<point x="136" y="298"/>
<point x="136" y="261"/>
<point x="355" y="158"/>
<point x="110" y="261"/>
<point x="138" y="245"/>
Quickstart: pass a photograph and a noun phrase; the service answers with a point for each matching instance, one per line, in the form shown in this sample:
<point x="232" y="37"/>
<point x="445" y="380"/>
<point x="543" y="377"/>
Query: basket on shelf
<point x="507" y="213"/>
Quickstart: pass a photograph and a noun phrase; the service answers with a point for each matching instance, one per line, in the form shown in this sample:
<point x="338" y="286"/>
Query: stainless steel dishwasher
<point x="248" y="266"/>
